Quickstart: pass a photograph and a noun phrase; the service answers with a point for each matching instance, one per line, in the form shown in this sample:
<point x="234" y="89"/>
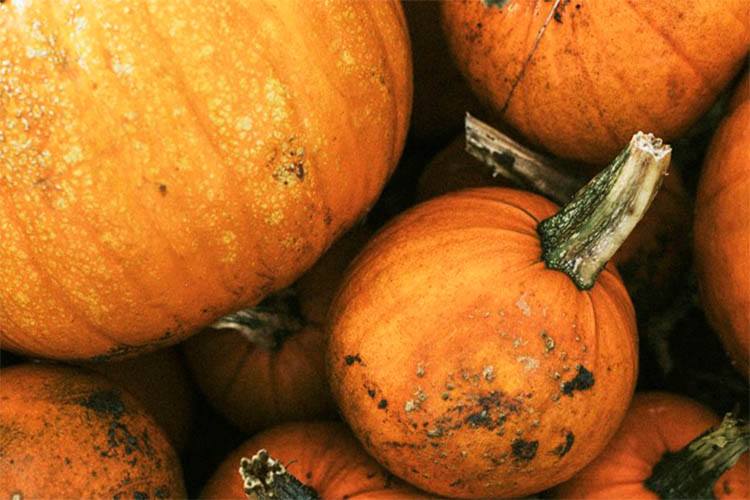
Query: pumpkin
<point x="722" y="233"/>
<point x="161" y="383"/>
<point x="67" y="433"/>
<point x="656" y="427"/>
<point x="653" y="260"/>
<point x="268" y="366"/>
<point x="441" y="96"/>
<point x="469" y="359"/>
<point x="166" y="165"/>
<point x="578" y="78"/>
<point x="324" y="456"/>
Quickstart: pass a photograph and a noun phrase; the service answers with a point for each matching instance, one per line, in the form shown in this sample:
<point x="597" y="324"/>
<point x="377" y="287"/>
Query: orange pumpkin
<point x="322" y="455"/>
<point x="578" y="78"/>
<point x="461" y="356"/>
<point x="261" y="375"/>
<point x="652" y="261"/>
<point x="441" y="96"/>
<point x="656" y="425"/>
<point x="722" y="233"/>
<point x="160" y="382"/>
<point x="65" y="433"/>
<point x="165" y="165"/>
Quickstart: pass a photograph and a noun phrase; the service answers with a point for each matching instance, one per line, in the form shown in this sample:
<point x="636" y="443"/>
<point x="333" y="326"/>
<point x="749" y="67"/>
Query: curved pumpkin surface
<point x="580" y="77"/>
<point x="467" y="367"/>
<point x="165" y="165"/>
<point x="161" y="383"/>
<point x="653" y="258"/>
<point x="322" y="455"/>
<point x="722" y="235"/>
<point x="66" y="433"/>
<point x="656" y="423"/>
<point x="255" y="384"/>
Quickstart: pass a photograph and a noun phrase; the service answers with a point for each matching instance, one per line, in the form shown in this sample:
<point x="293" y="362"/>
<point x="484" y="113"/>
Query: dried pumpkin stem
<point x="521" y="166"/>
<point x="265" y="477"/>
<point x="693" y="471"/>
<point x="268" y="323"/>
<point x="586" y="233"/>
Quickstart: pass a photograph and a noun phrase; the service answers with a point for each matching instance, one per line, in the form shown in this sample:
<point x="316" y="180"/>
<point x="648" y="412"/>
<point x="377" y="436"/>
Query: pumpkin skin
<point x="67" y="433"/>
<point x="161" y="383"/>
<point x="722" y="234"/>
<point x="166" y="165"/>
<point x="584" y="84"/>
<point x="655" y="424"/>
<point x="256" y="387"/>
<point x="652" y="261"/>
<point x="322" y="455"/>
<point x="464" y="365"/>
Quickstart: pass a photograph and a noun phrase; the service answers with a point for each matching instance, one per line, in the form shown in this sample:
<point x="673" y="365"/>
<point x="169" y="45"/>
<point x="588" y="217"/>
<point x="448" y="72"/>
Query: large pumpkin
<point x="66" y="433"/>
<point x="164" y="164"/>
<point x="161" y="383"/>
<point x="722" y="232"/>
<point x="323" y="456"/>
<point x="578" y="78"/>
<point x="465" y="361"/>
<point x="657" y="425"/>
<point x="271" y="369"/>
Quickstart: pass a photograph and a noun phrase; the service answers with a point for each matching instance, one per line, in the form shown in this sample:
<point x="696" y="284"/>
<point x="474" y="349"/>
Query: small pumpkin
<point x="652" y="261"/>
<point x="166" y="165"/>
<point x="68" y="433"/>
<point x="578" y="78"/>
<point x="722" y="233"/>
<point x="462" y="357"/>
<point x="324" y="456"/>
<point x="161" y="383"/>
<point x="267" y="365"/>
<point x="659" y="428"/>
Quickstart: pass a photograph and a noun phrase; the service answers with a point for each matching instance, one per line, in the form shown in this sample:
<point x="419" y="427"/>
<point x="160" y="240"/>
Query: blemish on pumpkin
<point x="524" y="450"/>
<point x="350" y="359"/>
<point x="437" y="432"/>
<point x="161" y="492"/>
<point x="410" y="406"/>
<point x="420" y="370"/>
<point x="106" y="402"/>
<point x="371" y="393"/>
<point x="140" y="495"/>
<point x="495" y="3"/>
<point x="529" y="363"/>
<point x="163" y="189"/>
<point x="583" y="380"/>
<point x="383" y="404"/>
<point x="549" y="342"/>
<point x="489" y="373"/>
<point x="563" y="448"/>
<point x="523" y="306"/>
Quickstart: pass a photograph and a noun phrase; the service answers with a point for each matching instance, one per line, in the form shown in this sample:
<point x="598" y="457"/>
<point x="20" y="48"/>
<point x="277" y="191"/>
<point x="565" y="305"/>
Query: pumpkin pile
<point x="345" y="249"/>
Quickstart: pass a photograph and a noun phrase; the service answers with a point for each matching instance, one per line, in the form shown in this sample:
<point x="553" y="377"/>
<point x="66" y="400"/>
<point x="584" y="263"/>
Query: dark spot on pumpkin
<point x="350" y="359"/>
<point x="456" y="483"/>
<point x="559" y="10"/>
<point x="163" y="189"/>
<point x="67" y="461"/>
<point x="118" y="436"/>
<point x="563" y="448"/>
<point x="726" y="487"/>
<point x="371" y="393"/>
<point x="105" y="402"/>
<point x="140" y="495"/>
<point x="583" y="380"/>
<point x="162" y="492"/>
<point x="383" y="404"/>
<point x="308" y="475"/>
<point x="495" y="3"/>
<point x="524" y="450"/>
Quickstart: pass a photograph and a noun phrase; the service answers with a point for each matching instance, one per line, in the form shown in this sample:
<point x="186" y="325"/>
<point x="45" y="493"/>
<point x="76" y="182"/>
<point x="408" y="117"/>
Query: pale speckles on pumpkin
<point x="523" y="306"/>
<point x="529" y="364"/>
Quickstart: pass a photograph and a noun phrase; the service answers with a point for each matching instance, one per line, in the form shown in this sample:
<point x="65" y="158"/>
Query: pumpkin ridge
<point x="530" y="55"/>
<point x="706" y="82"/>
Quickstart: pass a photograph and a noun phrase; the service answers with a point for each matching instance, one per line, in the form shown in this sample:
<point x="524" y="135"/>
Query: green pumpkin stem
<point x="586" y="233"/>
<point x="266" y="478"/>
<point x="268" y="323"/>
<point x="521" y="166"/>
<point x="693" y="471"/>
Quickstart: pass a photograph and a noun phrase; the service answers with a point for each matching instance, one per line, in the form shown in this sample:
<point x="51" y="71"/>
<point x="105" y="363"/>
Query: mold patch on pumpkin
<point x="350" y="359"/>
<point x="583" y="380"/>
<point x="524" y="450"/>
<point x="383" y="404"/>
<point x="563" y="448"/>
<point x="107" y="402"/>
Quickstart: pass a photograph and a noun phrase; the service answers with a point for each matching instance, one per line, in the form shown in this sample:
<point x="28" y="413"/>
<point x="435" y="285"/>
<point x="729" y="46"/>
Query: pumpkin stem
<point x="264" y="477"/>
<point x="268" y="323"/>
<point x="693" y="471"/>
<point x="586" y="233"/>
<point x="521" y="166"/>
